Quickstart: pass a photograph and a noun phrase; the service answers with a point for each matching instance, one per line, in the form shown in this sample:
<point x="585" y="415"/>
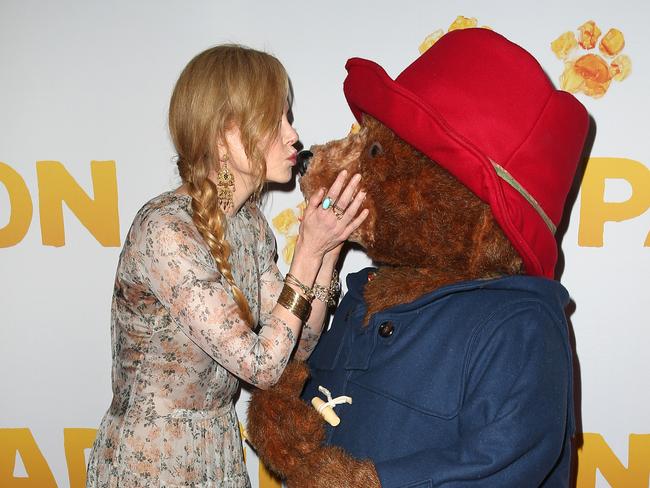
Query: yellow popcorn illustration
<point x="570" y="80"/>
<point x="460" y="22"/>
<point x="287" y="224"/>
<point x="564" y="44"/>
<point x="289" y="247"/>
<point x="355" y="128"/>
<point x="591" y="73"/>
<point x="612" y="43"/>
<point x="589" y="34"/>
<point x="595" y="72"/>
<point x="430" y="40"/>
<point x="284" y="221"/>
<point x="620" y="67"/>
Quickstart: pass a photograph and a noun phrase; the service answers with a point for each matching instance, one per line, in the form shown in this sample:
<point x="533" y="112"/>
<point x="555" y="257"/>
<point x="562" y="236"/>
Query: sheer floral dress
<point x="177" y="344"/>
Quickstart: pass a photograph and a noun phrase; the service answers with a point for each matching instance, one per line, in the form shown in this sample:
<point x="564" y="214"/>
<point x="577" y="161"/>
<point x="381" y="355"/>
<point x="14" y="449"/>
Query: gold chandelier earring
<point x="225" y="185"/>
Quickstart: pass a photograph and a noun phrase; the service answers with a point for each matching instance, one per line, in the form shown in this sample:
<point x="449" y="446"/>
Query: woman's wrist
<point x="327" y="293"/>
<point x="305" y="265"/>
<point x="327" y="267"/>
<point x="295" y="302"/>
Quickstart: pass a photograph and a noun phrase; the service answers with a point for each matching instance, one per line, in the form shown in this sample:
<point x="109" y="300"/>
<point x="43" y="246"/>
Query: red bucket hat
<point x="483" y="108"/>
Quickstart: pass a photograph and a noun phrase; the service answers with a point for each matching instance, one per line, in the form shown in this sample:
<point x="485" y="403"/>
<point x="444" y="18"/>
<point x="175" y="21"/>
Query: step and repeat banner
<point x="84" y="90"/>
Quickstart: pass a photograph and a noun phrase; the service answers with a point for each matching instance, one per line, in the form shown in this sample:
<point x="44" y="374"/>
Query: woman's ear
<point x="231" y="143"/>
<point x="222" y="150"/>
<point x="232" y="149"/>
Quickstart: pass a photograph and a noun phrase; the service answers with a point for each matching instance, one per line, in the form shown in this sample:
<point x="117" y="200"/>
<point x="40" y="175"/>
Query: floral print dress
<point x="178" y="346"/>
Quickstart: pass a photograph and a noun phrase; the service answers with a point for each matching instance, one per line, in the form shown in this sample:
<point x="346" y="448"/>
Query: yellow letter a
<point x="74" y="443"/>
<point x="38" y="471"/>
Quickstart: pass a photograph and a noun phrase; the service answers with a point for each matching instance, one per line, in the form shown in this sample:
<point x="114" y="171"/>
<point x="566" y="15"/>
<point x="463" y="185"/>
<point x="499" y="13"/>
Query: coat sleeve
<point x="176" y="268"/>
<point x="513" y="418"/>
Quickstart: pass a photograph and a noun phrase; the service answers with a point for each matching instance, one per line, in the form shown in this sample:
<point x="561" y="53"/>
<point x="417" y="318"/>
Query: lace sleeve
<point x="178" y="271"/>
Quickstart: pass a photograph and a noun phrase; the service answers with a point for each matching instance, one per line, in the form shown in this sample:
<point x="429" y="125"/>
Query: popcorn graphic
<point x="459" y="23"/>
<point x="287" y="224"/>
<point x="462" y="23"/>
<point x="591" y="73"/>
<point x="564" y="44"/>
<point x="589" y="34"/>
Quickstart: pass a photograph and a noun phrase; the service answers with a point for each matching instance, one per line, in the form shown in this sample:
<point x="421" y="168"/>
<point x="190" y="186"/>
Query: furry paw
<point x="331" y="467"/>
<point x="282" y="428"/>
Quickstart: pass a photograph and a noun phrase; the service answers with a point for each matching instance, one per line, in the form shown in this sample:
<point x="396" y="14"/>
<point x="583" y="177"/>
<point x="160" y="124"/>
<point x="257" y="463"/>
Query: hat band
<point x="508" y="178"/>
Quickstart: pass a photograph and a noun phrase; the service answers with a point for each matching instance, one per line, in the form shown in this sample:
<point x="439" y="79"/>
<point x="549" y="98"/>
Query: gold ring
<point x="338" y="211"/>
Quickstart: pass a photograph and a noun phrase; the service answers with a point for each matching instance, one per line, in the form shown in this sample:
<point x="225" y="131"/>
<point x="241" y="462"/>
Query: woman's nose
<point x="303" y="159"/>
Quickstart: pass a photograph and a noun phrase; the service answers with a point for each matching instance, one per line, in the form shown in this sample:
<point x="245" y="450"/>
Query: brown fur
<point x="287" y="434"/>
<point x="425" y="230"/>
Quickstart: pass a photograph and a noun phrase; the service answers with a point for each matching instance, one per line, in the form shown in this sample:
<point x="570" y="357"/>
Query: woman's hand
<point x="331" y="216"/>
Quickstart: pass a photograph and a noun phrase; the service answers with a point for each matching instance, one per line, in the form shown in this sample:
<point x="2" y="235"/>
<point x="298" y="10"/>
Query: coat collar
<point x="550" y="290"/>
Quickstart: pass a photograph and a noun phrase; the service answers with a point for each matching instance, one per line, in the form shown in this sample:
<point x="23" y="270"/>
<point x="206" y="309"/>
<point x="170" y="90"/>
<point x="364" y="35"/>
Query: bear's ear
<point x="375" y="150"/>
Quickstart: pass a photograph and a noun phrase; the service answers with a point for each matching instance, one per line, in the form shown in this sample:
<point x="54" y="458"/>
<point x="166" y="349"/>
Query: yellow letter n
<point x="595" y="454"/>
<point x="98" y="215"/>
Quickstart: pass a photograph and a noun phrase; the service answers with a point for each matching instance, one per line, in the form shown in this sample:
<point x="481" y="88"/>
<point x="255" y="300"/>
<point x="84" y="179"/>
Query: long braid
<point x="222" y="87"/>
<point x="210" y="221"/>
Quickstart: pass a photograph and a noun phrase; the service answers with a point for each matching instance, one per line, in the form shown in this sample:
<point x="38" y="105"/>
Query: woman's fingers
<point x="332" y="215"/>
<point x="317" y="198"/>
<point x="354" y="225"/>
<point x="351" y="213"/>
<point x="335" y="190"/>
<point x="353" y="208"/>
<point x="346" y="197"/>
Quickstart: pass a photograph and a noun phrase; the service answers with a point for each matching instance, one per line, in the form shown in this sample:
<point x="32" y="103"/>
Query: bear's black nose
<point x="302" y="162"/>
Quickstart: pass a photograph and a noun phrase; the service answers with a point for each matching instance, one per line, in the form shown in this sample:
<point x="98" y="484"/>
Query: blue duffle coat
<point x="468" y="386"/>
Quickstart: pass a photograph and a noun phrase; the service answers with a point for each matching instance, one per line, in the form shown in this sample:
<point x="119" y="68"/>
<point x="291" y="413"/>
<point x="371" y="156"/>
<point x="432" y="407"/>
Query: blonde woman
<point x="199" y="303"/>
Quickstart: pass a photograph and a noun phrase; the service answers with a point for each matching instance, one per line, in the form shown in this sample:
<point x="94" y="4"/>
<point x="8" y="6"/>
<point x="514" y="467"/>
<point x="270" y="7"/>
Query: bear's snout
<point x="321" y="164"/>
<point x="302" y="163"/>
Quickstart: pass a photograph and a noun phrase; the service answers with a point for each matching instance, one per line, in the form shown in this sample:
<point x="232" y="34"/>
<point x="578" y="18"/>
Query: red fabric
<point x="475" y="96"/>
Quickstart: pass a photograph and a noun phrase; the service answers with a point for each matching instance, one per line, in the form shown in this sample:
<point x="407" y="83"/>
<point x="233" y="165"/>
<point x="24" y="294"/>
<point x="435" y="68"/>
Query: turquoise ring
<point x="327" y="203"/>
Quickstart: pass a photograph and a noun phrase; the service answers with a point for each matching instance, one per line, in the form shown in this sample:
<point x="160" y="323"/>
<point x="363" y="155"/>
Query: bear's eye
<point x="375" y="150"/>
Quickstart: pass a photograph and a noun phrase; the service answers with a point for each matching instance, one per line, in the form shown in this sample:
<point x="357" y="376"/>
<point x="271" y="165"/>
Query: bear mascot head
<point x="454" y="350"/>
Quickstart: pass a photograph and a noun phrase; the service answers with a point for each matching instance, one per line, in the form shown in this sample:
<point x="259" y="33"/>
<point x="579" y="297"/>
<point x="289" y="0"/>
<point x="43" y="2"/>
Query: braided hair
<point x="224" y="86"/>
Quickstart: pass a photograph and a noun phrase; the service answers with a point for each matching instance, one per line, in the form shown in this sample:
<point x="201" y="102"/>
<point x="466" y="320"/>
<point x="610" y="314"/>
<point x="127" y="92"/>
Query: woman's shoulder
<point x="257" y="219"/>
<point x="169" y="212"/>
<point x="168" y="206"/>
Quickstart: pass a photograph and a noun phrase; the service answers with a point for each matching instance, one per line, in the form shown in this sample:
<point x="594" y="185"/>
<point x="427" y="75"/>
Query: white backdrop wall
<point x="84" y="81"/>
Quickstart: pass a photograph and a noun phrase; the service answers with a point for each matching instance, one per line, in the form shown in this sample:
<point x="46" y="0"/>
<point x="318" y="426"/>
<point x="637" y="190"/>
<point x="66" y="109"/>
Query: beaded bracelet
<point x="295" y="303"/>
<point x="328" y="294"/>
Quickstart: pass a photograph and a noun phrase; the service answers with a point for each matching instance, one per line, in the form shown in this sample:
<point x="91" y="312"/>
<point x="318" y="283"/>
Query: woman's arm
<point x="314" y="325"/>
<point x="272" y="282"/>
<point x="180" y="274"/>
<point x="177" y="268"/>
<point x="350" y="201"/>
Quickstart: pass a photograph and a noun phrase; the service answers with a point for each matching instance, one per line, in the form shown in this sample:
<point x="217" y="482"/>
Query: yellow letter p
<point x="595" y="211"/>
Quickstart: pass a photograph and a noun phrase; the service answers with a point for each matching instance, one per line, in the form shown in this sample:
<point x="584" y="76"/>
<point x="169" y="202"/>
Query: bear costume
<point x="455" y="349"/>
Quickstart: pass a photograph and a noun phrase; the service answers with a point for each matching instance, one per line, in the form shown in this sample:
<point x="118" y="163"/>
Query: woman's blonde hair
<point x="222" y="87"/>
